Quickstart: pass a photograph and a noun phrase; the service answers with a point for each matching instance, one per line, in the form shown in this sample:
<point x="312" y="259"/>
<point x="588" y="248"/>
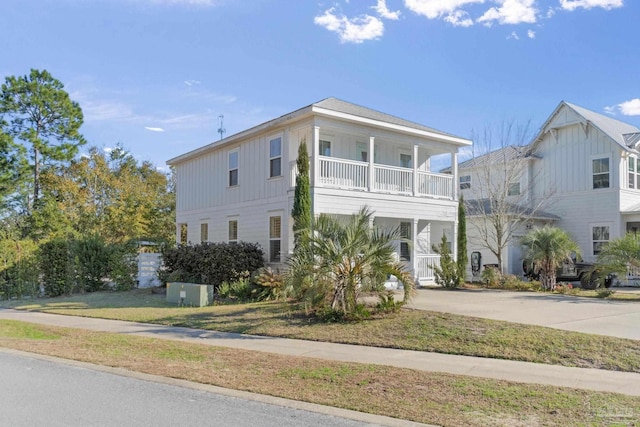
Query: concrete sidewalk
<point x="525" y="372"/>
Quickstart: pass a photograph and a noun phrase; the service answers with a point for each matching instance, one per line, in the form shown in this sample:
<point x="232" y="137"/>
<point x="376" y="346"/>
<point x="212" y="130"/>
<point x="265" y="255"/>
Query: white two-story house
<point x="241" y="188"/>
<point x="582" y="171"/>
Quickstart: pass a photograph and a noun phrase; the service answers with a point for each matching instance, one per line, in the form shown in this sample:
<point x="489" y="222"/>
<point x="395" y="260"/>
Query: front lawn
<point x="406" y="329"/>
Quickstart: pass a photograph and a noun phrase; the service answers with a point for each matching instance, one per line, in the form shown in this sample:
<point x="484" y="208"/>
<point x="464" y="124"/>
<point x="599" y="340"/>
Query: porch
<point x="363" y="176"/>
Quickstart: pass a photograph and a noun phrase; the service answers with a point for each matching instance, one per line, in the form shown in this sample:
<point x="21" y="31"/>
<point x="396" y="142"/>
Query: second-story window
<point x="633" y="168"/>
<point x="233" y="168"/>
<point x="601" y="173"/>
<point x="275" y="157"/>
<point x="514" y="189"/>
<point x="465" y="182"/>
<point x="325" y="148"/>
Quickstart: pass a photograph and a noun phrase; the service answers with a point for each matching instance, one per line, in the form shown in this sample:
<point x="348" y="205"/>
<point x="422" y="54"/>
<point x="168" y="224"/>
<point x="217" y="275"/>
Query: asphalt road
<point x="590" y="315"/>
<point x="36" y="392"/>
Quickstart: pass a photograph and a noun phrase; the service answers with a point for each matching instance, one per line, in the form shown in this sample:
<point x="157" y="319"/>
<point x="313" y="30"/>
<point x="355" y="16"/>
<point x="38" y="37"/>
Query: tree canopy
<point x="38" y="113"/>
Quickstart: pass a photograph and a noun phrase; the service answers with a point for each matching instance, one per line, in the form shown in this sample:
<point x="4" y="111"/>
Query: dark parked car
<point x="589" y="275"/>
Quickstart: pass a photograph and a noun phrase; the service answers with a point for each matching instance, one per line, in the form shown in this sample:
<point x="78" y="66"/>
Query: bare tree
<point x="497" y="184"/>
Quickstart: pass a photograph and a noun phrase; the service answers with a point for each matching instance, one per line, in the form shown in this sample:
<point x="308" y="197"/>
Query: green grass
<point x="407" y="329"/>
<point x="442" y="399"/>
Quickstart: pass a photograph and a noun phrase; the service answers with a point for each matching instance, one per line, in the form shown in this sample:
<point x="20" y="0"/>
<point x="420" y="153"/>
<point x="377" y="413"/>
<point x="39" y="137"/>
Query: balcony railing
<point x="354" y="175"/>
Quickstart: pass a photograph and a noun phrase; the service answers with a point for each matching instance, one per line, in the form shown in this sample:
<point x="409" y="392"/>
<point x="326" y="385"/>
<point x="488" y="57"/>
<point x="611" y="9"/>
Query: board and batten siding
<point x="564" y="178"/>
<point x="203" y="182"/>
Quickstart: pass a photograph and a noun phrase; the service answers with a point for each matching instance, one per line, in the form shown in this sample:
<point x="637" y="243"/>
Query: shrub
<point x="56" y="265"/>
<point x="271" y="283"/>
<point x="388" y="303"/>
<point x="491" y="277"/>
<point x="604" y="292"/>
<point x="447" y="273"/>
<point x="213" y="263"/>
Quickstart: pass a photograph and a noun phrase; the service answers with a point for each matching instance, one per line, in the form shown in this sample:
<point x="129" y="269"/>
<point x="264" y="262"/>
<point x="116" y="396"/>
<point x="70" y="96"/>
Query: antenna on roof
<point x="221" y="129"/>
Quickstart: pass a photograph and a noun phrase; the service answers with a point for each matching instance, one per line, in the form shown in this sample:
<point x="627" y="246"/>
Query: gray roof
<point x="615" y="129"/>
<point x="332" y="104"/>
<point x="345" y="107"/>
<point x="484" y="207"/>
<point x="508" y="153"/>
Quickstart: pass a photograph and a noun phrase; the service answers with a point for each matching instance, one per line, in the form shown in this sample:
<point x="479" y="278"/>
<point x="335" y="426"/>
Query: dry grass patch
<point x="442" y="399"/>
<point x="406" y="329"/>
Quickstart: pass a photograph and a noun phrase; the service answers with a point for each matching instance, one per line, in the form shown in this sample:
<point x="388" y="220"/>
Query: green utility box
<point x="189" y="294"/>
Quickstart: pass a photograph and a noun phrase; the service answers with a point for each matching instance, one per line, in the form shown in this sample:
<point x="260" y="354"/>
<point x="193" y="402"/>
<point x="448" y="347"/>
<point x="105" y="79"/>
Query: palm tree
<point x="342" y="259"/>
<point x="546" y="249"/>
<point x="619" y="255"/>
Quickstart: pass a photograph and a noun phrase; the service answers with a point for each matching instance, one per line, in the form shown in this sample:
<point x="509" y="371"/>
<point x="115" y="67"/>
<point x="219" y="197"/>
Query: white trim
<point x="592" y="225"/>
<point x="235" y="151"/>
<point x="591" y="172"/>
<point x="394" y="127"/>
<point x="279" y="156"/>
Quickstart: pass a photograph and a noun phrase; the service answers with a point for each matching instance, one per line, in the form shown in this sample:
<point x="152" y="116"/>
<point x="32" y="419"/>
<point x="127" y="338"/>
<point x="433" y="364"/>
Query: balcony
<point x="354" y="175"/>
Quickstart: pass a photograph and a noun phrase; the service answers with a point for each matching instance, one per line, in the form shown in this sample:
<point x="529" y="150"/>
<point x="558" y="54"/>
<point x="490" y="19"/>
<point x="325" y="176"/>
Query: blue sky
<point x="154" y="75"/>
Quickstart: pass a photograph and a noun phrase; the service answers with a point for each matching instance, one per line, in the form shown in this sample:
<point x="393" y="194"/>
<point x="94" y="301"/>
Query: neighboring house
<point x="580" y="173"/>
<point x="241" y="188"/>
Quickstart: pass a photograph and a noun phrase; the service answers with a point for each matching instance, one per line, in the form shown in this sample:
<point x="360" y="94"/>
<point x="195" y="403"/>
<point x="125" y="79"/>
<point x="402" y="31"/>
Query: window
<point x="274" y="238"/>
<point x="233" y="231"/>
<point x="634" y="172"/>
<point x="325" y="148"/>
<point x="405" y="233"/>
<point x="275" y="157"/>
<point x="204" y="232"/>
<point x="600" y="169"/>
<point x="514" y="189"/>
<point x="362" y="152"/>
<point x="405" y="161"/>
<point x="184" y="234"/>
<point x="465" y="182"/>
<point x="600" y="237"/>
<point x="233" y="168"/>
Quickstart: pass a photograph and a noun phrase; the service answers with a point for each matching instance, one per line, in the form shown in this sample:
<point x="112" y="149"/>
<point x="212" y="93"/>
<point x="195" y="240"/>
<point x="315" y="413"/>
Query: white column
<point x="454" y="173"/>
<point x="315" y="153"/>
<point x="414" y="248"/>
<point x="415" y="170"/>
<point x="372" y="172"/>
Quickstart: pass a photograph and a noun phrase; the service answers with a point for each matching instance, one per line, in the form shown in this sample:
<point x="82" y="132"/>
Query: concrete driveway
<point x="594" y="316"/>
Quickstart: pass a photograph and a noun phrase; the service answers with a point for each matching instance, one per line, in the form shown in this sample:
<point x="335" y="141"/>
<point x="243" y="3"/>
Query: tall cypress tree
<point x="301" y="212"/>
<point x="462" y="240"/>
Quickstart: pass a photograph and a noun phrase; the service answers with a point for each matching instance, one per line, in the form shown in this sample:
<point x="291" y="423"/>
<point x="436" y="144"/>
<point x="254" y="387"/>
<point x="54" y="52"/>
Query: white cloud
<point x="107" y="149"/>
<point x="630" y="108"/>
<point x="351" y="30"/>
<point x="590" y="4"/>
<point x="513" y="36"/>
<point x="384" y="11"/>
<point x="610" y="110"/>
<point x="191" y="82"/>
<point x="433" y="9"/>
<point x="459" y="18"/>
<point x="531" y="34"/>
<point x="152" y="129"/>
<point x="511" y="12"/>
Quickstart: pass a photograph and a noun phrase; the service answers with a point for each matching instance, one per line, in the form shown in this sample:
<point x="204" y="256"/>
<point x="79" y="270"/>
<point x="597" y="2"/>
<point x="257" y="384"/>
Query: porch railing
<point x="354" y="175"/>
<point x="425" y="266"/>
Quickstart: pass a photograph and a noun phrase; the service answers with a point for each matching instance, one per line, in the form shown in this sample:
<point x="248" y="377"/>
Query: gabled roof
<point x="511" y="152"/>
<point x="337" y="108"/>
<point x="479" y="207"/>
<point x="622" y="133"/>
<point x="341" y="106"/>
